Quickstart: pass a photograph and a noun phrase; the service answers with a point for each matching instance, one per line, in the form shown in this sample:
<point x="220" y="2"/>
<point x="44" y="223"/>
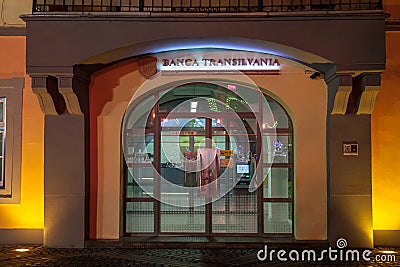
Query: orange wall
<point x="392" y="7"/>
<point x="29" y="213"/>
<point x="385" y="142"/>
<point x="12" y="55"/>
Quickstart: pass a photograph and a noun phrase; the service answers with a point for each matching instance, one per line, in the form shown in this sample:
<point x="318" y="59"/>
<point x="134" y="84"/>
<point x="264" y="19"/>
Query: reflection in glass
<point x="279" y="119"/>
<point x="146" y="178"/>
<point x="277" y="183"/>
<point x="277" y="149"/>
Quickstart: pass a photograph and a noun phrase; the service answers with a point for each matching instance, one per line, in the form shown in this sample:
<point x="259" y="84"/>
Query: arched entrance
<point x="114" y="89"/>
<point x="183" y="122"/>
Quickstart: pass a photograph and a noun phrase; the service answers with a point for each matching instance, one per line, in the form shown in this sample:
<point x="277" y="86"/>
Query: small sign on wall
<point x="226" y="163"/>
<point x="350" y="149"/>
<point x="227" y="153"/>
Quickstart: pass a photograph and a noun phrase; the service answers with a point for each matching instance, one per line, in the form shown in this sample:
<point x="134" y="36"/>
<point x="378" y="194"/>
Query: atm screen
<point x="242" y="168"/>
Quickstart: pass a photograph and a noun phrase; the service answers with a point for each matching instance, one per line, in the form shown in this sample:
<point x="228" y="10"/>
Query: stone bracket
<point x="343" y="93"/>
<point x="65" y="87"/>
<point x="56" y="94"/>
<point x="49" y="99"/>
<point x="356" y="95"/>
<point x="367" y="100"/>
<point x="370" y="86"/>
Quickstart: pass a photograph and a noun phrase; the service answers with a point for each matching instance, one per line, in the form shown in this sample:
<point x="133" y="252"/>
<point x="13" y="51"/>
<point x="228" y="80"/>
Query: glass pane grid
<point x="145" y="176"/>
<point x="277" y="183"/>
<point x="139" y="156"/>
<point x="182" y="219"/>
<point x="278" y="218"/>
<point x="139" y="217"/>
<point x="235" y="214"/>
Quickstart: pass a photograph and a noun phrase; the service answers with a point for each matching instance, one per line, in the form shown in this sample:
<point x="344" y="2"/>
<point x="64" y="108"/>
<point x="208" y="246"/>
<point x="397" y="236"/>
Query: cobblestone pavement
<point x="40" y="256"/>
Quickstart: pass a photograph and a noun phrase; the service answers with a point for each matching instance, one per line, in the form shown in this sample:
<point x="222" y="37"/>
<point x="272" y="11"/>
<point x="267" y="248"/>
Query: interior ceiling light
<point x="22" y="250"/>
<point x="193" y="104"/>
<point x="232" y="87"/>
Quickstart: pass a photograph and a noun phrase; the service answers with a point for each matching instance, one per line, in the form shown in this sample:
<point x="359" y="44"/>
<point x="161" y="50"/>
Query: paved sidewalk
<point x="39" y="256"/>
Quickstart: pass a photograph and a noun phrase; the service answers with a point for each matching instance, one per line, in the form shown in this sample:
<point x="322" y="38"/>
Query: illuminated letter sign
<point x="265" y="64"/>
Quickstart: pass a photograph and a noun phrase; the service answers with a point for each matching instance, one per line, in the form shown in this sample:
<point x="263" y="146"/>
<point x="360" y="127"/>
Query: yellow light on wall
<point x="385" y="156"/>
<point x="388" y="252"/>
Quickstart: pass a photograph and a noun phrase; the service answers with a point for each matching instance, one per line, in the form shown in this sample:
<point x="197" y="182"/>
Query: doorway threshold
<point x="198" y="242"/>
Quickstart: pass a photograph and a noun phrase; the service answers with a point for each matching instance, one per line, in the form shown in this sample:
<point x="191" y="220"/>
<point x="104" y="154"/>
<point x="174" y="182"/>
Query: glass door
<point x="237" y="211"/>
<point x="185" y="213"/>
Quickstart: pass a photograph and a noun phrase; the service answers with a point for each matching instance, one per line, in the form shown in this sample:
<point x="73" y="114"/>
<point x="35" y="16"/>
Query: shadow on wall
<point x="102" y="91"/>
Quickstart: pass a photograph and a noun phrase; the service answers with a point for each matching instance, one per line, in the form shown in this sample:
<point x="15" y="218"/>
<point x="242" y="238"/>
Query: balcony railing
<point x="207" y="6"/>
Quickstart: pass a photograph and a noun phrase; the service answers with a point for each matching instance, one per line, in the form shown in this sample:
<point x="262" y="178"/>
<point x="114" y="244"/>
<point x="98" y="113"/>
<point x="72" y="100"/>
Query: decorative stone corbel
<point x="370" y="86"/>
<point x="45" y="89"/>
<point x="343" y="93"/>
<point x="70" y="98"/>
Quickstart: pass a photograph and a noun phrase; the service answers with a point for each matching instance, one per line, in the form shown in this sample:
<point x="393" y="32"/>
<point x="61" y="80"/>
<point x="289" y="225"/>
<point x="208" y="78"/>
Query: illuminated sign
<point x="227" y="153"/>
<point x="225" y="163"/>
<point x="220" y="64"/>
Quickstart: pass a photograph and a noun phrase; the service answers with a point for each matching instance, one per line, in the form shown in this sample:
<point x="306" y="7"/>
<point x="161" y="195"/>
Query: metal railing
<point x="207" y="6"/>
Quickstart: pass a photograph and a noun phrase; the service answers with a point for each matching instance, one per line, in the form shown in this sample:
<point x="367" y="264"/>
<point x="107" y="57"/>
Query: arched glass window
<point x="186" y="118"/>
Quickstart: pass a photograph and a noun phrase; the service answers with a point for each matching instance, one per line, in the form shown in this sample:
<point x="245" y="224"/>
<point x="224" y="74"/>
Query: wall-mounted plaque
<point x="350" y="149"/>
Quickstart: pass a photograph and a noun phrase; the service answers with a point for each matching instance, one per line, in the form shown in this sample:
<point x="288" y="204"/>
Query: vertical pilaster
<point x="65" y="155"/>
<point x="64" y="181"/>
<point x="350" y="176"/>
<point x="350" y="201"/>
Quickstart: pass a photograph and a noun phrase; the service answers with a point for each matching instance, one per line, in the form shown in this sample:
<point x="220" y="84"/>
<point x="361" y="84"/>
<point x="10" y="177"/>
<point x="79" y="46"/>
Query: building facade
<point x="108" y="107"/>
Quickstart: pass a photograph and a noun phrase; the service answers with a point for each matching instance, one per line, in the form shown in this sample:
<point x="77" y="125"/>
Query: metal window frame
<point x="11" y="90"/>
<point x="2" y="159"/>
<point x="3" y="132"/>
<point x="4" y="111"/>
